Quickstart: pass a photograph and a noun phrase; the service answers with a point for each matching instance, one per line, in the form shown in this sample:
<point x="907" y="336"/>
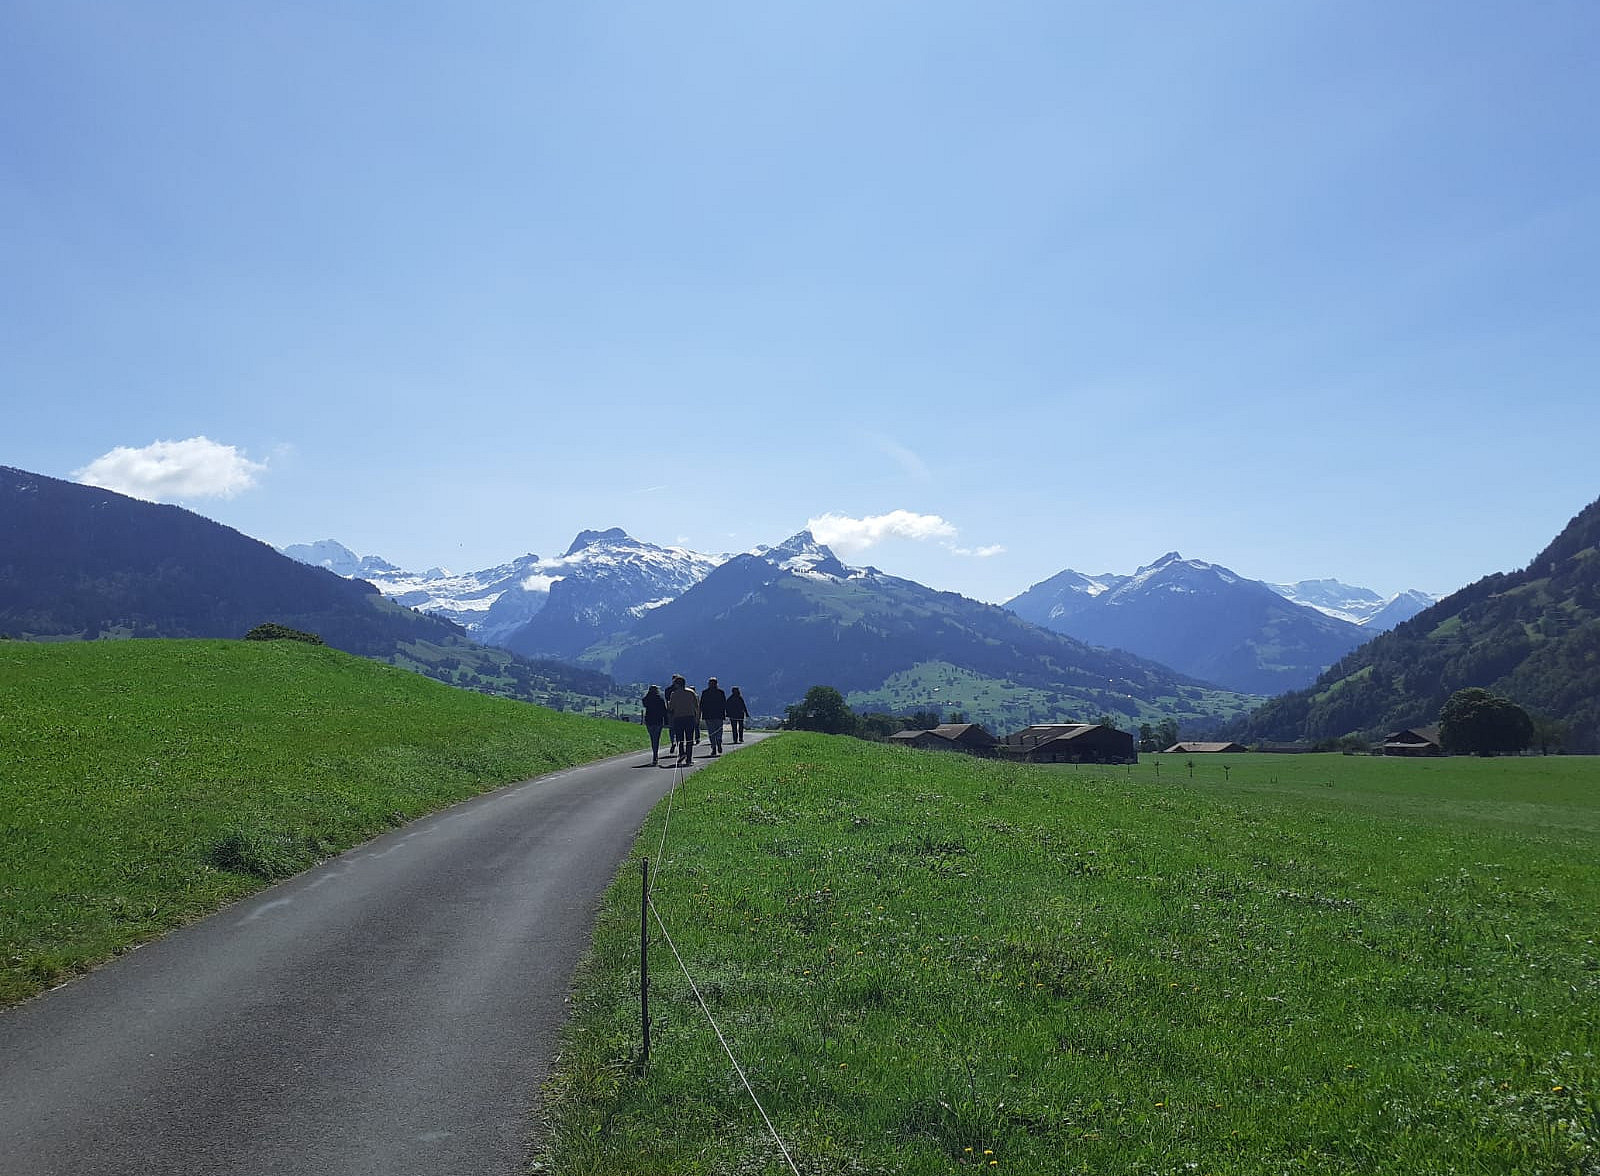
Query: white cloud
<point x="992" y="549"/>
<point x="848" y="536"/>
<point x="174" y="471"/>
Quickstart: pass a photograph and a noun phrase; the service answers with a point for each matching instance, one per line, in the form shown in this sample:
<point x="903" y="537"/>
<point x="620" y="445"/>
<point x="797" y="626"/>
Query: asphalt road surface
<point x="392" y="1011"/>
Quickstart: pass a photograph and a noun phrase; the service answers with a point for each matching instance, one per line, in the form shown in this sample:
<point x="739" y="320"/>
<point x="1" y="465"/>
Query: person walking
<point x="684" y="710"/>
<point x="672" y="732"/>
<point x="655" y="717"/>
<point x="738" y="712"/>
<point x="713" y="709"/>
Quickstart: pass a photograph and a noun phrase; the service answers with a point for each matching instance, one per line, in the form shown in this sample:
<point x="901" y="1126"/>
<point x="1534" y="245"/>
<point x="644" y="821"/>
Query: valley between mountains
<point x="1179" y="640"/>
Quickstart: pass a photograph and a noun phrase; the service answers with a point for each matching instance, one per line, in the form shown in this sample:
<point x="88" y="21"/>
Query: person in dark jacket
<point x="714" y="709"/>
<point x="655" y="717"/>
<point x="738" y="712"/>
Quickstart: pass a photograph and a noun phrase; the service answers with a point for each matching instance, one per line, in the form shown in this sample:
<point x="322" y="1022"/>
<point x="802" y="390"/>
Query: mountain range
<point x="1198" y="618"/>
<point x="780" y="619"/>
<point x="1213" y="624"/>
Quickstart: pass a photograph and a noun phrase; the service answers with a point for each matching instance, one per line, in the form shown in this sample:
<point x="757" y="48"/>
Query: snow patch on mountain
<point x="619" y="574"/>
<point x="1359" y="606"/>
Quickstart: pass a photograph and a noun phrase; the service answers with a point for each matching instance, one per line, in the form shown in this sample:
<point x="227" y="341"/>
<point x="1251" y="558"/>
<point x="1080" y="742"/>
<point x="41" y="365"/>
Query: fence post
<point x="644" y="958"/>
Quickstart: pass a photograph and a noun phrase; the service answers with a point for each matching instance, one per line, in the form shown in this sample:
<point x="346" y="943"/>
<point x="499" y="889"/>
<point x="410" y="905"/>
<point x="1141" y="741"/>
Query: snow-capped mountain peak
<point x="613" y="535"/>
<point x="325" y="553"/>
<point x="802" y="555"/>
<point x="1171" y="573"/>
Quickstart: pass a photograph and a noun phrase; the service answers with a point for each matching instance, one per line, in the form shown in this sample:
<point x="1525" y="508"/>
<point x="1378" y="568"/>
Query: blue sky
<point x="1306" y="289"/>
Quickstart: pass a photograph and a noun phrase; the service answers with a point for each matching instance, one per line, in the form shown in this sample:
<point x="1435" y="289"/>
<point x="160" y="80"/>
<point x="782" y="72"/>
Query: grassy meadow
<point x="925" y="963"/>
<point x="145" y="783"/>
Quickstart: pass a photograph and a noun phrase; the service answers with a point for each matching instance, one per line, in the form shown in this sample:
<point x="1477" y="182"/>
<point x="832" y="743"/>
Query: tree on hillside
<point x="877" y="725"/>
<point x="823" y="709"/>
<point x="1480" y="723"/>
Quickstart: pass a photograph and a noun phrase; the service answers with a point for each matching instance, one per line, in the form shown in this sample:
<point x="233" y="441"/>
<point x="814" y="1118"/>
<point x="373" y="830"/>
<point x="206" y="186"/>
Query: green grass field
<point x="924" y="963"/>
<point x="144" y="783"/>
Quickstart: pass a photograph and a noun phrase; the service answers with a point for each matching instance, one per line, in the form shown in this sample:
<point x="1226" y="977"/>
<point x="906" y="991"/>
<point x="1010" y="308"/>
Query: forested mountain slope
<point x="1531" y="635"/>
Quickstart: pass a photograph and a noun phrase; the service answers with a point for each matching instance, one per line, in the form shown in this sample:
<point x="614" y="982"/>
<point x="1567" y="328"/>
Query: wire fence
<point x="651" y="882"/>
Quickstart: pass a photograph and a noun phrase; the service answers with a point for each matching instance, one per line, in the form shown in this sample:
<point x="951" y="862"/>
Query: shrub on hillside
<point x="272" y="631"/>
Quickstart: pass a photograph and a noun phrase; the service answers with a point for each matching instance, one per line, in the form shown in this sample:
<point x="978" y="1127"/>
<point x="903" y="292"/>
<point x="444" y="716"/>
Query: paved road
<point x="392" y="1011"/>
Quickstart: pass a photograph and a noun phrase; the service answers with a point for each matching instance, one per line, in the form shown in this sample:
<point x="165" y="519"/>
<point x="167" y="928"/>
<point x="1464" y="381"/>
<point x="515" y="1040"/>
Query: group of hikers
<point x="682" y="711"/>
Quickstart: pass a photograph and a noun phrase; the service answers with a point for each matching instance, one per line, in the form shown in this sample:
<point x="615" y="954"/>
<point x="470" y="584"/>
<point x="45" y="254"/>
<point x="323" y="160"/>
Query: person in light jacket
<point x="672" y="734"/>
<point x="684" y="710"/>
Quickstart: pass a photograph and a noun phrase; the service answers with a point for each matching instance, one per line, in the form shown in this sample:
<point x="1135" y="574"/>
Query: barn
<point x="1071" y="743"/>
<point x="967" y="737"/>
<point x="1412" y="741"/>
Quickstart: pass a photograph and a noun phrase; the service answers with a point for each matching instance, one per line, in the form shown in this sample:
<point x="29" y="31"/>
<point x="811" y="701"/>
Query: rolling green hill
<point x="1531" y="635"/>
<point x="80" y="563"/>
<point x="144" y="783"/>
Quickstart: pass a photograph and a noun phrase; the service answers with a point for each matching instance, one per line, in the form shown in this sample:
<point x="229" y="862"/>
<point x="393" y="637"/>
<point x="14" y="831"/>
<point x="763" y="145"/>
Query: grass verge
<point x="144" y="783"/>
<point x="927" y="963"/>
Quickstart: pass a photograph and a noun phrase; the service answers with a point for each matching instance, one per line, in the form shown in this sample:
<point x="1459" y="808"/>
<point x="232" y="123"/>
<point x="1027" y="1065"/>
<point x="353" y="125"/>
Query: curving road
<point x="392" y="1011"/>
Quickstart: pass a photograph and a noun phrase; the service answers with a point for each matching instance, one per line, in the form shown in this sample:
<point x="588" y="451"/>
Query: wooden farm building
<point x="1412" y="741"/>
<point x="922" y="740"/>
<point x="1070" y="743"/>
<point x="1194" y="748"/>
<point x="967" y="737"/>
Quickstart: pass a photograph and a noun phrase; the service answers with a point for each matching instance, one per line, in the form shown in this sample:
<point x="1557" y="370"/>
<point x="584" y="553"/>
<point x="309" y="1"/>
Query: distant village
<point x="1098" y="743"/>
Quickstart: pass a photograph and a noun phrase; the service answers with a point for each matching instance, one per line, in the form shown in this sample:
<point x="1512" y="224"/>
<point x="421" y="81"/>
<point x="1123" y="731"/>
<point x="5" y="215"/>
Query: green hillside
<point x="1532" y="636"/>
<point x="82" y="563"/>
<point x="144" y="783"/>
<point x="1005" y="706"/>
<point x="1340" y="965"/>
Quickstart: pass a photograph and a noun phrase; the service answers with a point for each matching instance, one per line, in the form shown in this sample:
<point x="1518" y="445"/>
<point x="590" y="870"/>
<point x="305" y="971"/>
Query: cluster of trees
<point x="824" y="709"/>
<point x="1159" y="737"/>
<point x="1476" y="722"/>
